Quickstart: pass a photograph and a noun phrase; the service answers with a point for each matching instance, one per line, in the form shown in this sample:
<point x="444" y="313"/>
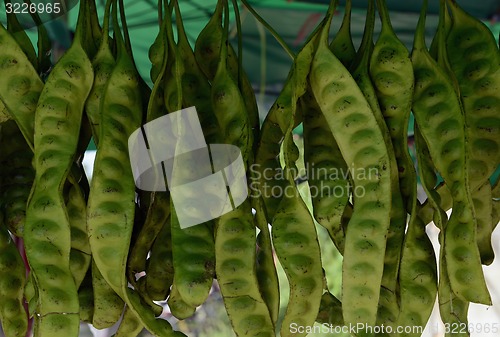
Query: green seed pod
<point x="475" y="61"/>
<point x="19" y="34"/>
<point x="438" y="113"/>
<point x="47" y="231"/>
<point x="20" y="87"/>
<point x="160" y="267"/>
<point x="17" y="174"/>
<point x="363" y="147"/>
<point x="103" y="64"/>
<point x="86" y="298"/>
<point x="13" y="317"/>
<point x="108" y="306"/>
<point x="130" y="325"/>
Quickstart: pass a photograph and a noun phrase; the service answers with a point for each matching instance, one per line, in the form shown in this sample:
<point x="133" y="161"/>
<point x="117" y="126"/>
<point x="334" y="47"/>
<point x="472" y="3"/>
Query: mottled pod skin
<point x="158" y="203"/>
<point x="80" y="255"/>
<point x="231" y="113"/>
<point x="483" y="208"/>
<point x="108" y="305"/>
<point x="86" y="298"/>
<point x="495" y="212"/>
<point x="17" y="175"/>
<point x="453" y="310"/>
<point x="475" y="60"/>
<point x="388" y="304"/>
<point x="195" y="85"/>
<point x="111" y="204"/>
<point x="266" y="268"/>
<point x="13" y="316"/>
<point x="193" y="255"/>
<point x="157" y="217"/>
<point x="160" y="267"/>
<point x="235" y="235"/>
<point x="130" y="325"/>
<point x="295" y="240"/>
<point x="391" y="72"/>
<point x="235" y="270"/>
<point x="4" y="114"/>
<point x="267" y="163"/>
<point x="330" y="310"/>
<point x="103" y="64"/>
<point x="22" y="39"/>
<point x="47" y="233"/>
<point x="208" y="52"/>
<point x="438" y="112"/>
<point x="294" y="231"/>
<point x="21" y="86"/>
<point x="323" y="158"/>
<point x="362" y="144"/>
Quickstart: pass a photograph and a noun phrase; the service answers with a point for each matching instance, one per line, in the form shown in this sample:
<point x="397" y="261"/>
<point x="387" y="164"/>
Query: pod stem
<point x="329" y="16"/>
<point x="367" y="40"/>
<point x="181" y="32"/>
<point x="126" y="35"/>
<point x="105" y="28"/>
<point x="240" y="42"/>
<point x="346" y="20"/>
<point x="160" y="12"/>
<point x="441" y="34"/>
<point x="120" y="44"/>
<point x="271" y="30"/>
<point x="225" y="34"/>
<point x="384" y="15"/>
<point x="81" y="22"/>
<point x="419" y="40"/>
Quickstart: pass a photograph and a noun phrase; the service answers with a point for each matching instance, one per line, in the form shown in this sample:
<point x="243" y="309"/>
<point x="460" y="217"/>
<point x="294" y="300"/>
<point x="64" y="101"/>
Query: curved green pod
<point x="438" y="113"/>
<point x="362" y="144"/>
<point x="47" y="232"/>
<point x="13" y="317"/>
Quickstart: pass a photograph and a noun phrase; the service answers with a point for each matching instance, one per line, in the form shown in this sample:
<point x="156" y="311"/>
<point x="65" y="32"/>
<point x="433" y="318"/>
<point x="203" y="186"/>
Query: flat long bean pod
<point x="208" y="51"/>
<point x="388" y="308"/>
<point x="326" y="171"/>
<point x="388" y="303"/>
<point x="438" y="112"/>
<point x="21" y="86"/>
<point x="103" y="64"/>
<point x="13" y="317"/>
<point x="47" y="231"/>
<point x="108" y="305"/>
<point x="392" y="74"/>
<point x="158" y="210"/>
<point x="294" y="232"/>
<point x="362" y="145"/>
<point x="129" y="326"/>
<point x="18" y="175"/>
<point x="111" y="214"/>
<point x="235" y="236"/>
<point x="452" y="309"/>
<point x="19" y="34"/>
<point x="483" y="207"/>
<point x="160" y="267"/>
<point x="475" y="60"/>
<point x="80" y="255"/>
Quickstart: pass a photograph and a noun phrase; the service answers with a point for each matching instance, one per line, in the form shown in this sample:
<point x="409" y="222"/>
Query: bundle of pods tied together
<point x="103" y="251"/>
